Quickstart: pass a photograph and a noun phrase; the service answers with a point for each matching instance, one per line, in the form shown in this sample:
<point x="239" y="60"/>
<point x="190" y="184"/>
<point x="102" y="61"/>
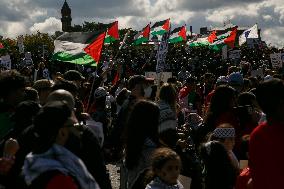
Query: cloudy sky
<point x="27" y="16"/>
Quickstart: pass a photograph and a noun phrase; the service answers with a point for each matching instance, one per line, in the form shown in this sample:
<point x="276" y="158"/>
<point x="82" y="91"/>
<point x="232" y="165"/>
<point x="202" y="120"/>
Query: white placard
<point x="235" y="54"/>
<point x="164" y="76"/>
<point x="276" y="60"/>
<point x="20" y="42"/>
<point x="6" y="62"/>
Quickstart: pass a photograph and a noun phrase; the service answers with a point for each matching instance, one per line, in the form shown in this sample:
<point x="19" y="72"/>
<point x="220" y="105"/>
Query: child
<point x="166" y="165"/>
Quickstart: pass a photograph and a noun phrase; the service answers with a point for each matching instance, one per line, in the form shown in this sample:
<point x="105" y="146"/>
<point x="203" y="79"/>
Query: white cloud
<point x="26" y="16"/>
<point x="13" y="29"/>
<point x="50" y="25"/>
<point x="274" y="36"/>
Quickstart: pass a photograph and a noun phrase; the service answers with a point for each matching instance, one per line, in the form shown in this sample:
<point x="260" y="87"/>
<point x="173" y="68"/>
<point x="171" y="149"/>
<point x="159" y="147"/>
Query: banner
<point x="162" y="53"/>
<point x="276" y="60"/>
<point x="164" y="76"/>
<point x="5" y="61"/>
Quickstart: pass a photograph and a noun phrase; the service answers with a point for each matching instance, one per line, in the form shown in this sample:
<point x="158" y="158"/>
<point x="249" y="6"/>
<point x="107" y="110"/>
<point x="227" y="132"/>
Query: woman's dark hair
<point x="168" y="94"/>
<point x="220" y="171"/>
<point x="220" y="103"/>
<point x="142" y="124"/>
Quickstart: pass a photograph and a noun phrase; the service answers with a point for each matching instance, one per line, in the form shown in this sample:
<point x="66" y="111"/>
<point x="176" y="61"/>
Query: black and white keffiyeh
<point x="58" y="158"/>
<point x="224" y="132"/>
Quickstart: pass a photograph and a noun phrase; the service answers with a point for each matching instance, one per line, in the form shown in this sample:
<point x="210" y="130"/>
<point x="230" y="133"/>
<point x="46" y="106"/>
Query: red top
<point x="267" y="156"/>
<point x="243" y="178"/>
<point x="61" y="181"/>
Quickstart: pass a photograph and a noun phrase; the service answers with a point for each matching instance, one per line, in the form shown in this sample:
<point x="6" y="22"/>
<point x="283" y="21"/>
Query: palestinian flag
<point x="230" y="41"/>
<point x="159" y="28"/>
<point x="79" y="47"/>
<point x="142" y="36"/>
<point x="112" y="33"/>
<point x="199" y="42"/>
<point x="223" y="36"/>
<point x="212" y="37"/>
<point x="178" y="35"/>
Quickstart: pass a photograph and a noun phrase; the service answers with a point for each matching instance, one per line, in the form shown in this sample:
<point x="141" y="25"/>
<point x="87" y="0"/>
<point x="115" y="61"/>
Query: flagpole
<point x="92" y="87"/>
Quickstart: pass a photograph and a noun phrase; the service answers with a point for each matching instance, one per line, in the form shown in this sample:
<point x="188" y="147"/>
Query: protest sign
<point x="28" y="58"/>
<point x="164" y="76"/>
<point x="6" y="62"/>
<point x="20" y="43"/>
<point x="276" y="60"/>
<point x="162" y="53"/>
<point x="235" y="54"/>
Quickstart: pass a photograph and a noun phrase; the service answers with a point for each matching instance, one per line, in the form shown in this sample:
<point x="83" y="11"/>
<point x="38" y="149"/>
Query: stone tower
<point x="66" y="17"/>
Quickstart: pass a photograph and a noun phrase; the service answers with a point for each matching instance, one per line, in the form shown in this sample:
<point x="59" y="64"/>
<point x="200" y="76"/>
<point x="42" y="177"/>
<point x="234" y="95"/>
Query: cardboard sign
<point x="164" y="76"/>
<point x="276" y="60"/>
<point x="235" y="54"/>
<point x="6" y="62"/>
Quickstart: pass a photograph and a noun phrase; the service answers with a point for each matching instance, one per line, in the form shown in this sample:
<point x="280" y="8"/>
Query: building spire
<point x="66" y="17"/>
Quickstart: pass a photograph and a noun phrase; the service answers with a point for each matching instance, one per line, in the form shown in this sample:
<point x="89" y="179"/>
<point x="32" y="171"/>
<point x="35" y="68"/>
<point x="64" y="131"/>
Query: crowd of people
<point x="211" y="125"/>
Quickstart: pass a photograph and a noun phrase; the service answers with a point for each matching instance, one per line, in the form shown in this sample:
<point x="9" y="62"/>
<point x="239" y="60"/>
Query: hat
<point x="267" y="78"/>
<point x="73" y="75"/>
<point x="100" y="92"/>
<point x="224" y="132"/>
<point x="51" y="118"/>
<point x="236" y="78"/>
<point x="222" y="80"/>
<point x="42" y="84"/>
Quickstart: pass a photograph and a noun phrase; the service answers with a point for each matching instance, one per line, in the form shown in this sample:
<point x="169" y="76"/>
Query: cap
<point x="100" y="92"/>
<point x="73" y="75"/>
<point x="236" y="78"/>
<point x="51" y="118"/>
<point x="268" y="78"/>
<point x="224" y="132"/>
<point x="222" y="80"/>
